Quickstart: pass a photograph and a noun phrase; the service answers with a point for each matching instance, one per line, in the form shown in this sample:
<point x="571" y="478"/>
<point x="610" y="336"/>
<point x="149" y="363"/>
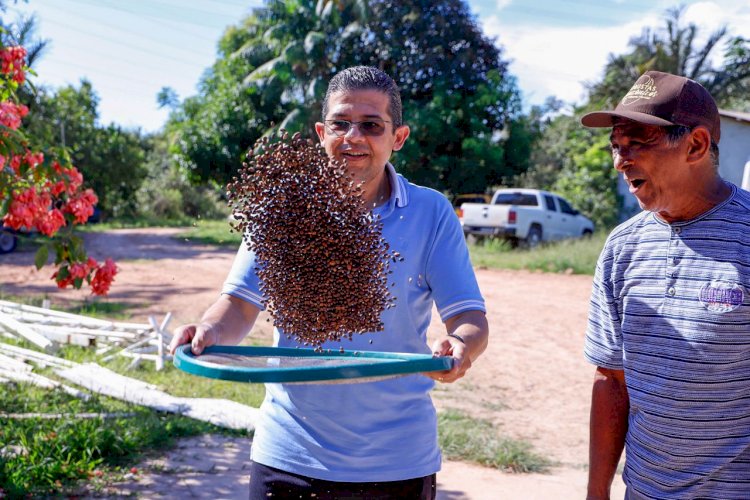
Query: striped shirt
<point x="671" y="307"/>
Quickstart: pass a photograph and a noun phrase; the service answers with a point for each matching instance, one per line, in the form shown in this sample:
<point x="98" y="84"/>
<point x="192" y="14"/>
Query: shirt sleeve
<point x="449" y="272"/>
<point x="603" y="344"/>
<point x="242" y="281"/>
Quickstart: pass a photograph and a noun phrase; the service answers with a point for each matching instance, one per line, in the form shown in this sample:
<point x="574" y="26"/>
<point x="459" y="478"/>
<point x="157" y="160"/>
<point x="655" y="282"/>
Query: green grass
<point x="52" y="456"/>
<point x="57" y="454"/>
<point x="97" y="308"/>
<point x="140" y="222"/>
<point x="475" y="440"/>
<point x="569" y="256"/>
<point x="211" y="232"/>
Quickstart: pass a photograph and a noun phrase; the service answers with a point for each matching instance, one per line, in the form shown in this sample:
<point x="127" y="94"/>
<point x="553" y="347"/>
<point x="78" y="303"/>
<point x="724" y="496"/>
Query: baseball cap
<point x="663" y="99"/>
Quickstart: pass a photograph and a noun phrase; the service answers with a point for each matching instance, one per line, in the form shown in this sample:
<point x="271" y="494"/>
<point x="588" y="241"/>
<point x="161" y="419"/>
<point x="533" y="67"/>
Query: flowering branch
<point x="44" y="194"/>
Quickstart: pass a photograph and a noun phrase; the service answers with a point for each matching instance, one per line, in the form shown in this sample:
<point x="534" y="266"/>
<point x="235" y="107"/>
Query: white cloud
<point x="501" y="4"/>
<point x="559" y="60"/>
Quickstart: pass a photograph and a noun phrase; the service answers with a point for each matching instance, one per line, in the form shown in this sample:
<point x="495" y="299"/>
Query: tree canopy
<point x="273" y="69"/>
<point x="575" y="161"/>
<point x="110" y="158"/>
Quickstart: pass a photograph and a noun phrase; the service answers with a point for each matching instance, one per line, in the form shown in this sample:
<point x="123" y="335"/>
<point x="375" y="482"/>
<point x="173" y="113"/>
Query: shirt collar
<point x="399" y="193"/>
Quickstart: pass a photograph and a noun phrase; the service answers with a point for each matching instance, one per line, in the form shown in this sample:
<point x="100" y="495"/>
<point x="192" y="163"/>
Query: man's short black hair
<point x="366" y="78"/>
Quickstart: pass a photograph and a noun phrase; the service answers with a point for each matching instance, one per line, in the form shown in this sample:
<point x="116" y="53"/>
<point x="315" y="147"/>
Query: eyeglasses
<point x="370" y="128"/>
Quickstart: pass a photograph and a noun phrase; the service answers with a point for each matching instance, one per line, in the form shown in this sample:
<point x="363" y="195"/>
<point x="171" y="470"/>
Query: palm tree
<point x="673" y="49"/>
<point x="297" y="37"/>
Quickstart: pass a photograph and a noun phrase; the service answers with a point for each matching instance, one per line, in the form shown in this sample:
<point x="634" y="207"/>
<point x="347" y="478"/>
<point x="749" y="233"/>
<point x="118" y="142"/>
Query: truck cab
<point x="525" y="215"/>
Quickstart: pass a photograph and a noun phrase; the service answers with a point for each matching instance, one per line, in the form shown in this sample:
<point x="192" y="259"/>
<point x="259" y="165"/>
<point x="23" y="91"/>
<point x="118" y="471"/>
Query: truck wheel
<point x="8" y="242"/>
<point x="534" y="238"/>
<point x="587" y="233"/>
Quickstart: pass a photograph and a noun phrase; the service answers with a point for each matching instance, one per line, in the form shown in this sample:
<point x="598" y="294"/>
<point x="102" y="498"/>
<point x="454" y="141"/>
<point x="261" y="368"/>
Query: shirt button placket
<point x="672" y="261"/>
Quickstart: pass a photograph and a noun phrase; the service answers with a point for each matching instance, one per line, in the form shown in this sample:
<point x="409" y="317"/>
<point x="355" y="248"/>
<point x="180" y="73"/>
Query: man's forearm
<point x="609" y="424"/>
<point x="472" y="327"/>
<point x="232" y="318"/>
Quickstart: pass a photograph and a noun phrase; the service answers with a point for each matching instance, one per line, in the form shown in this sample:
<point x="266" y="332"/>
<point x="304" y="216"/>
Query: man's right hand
<point x="199" y="335"/>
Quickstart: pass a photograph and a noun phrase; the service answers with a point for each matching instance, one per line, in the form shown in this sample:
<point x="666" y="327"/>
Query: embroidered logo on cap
<point x="644" y="88"/>
<point x="721" y="297"/>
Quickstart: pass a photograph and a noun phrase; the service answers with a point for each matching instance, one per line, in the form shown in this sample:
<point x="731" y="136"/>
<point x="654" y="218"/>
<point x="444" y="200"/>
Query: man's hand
<point x="465" y="339"/>
<point x="449" y="346"/>
<point x="199" y="335"/>
<point x="226" y="322"/>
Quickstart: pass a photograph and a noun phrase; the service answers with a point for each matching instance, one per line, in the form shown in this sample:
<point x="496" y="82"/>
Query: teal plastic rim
<point x="382" y="365"/>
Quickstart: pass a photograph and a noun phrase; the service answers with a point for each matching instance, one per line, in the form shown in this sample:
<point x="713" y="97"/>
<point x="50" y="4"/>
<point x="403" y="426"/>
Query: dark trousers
<point x="267" y="482"/>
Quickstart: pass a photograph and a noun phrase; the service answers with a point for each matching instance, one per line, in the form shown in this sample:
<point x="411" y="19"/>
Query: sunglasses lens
<point x="372" y="128"/>
<point x="369" y="128"/>
<point x="339" y="127"/>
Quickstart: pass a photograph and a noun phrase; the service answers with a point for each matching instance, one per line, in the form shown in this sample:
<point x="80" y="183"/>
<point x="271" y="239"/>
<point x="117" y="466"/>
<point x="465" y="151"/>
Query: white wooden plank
<point x="43" y="382"/>
<point x="220" y="412"/>
<point x="26" y="332"/>
<point x="35" y="356"/>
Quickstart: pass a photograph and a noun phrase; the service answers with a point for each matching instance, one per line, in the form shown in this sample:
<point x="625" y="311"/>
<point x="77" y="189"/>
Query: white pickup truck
<point x="525" y="215"/>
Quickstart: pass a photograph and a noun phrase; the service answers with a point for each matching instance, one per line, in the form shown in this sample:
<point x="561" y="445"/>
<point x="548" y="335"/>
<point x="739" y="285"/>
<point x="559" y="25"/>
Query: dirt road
<point x="532" y="382"/>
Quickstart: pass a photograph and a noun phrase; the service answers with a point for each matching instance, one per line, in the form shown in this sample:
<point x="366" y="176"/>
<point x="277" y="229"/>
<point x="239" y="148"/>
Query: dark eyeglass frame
<point x="364" y="130"/>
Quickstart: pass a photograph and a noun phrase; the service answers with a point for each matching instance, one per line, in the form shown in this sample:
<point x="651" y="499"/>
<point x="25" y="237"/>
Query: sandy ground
<point x="532" y="381"/>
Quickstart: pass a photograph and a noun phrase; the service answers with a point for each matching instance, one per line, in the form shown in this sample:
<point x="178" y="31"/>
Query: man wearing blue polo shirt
<point x="373" y="439"/>
<point x="669" y="326"/>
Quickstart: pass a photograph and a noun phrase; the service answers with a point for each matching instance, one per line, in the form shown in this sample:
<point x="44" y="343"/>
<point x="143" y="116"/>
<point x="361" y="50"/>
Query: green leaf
<point x="63" y="273"/>
<point x="295" y="121"/>
<point x="314" y="42"/>
<point x="40" y="259"/>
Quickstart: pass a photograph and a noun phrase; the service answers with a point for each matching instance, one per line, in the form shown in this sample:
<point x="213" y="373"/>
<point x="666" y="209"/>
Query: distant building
<point x="734" y="157"/>
<point x="734" y="146"/>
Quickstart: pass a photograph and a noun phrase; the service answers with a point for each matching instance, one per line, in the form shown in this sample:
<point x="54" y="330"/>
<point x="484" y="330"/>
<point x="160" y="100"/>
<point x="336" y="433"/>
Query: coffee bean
<point x="322" y="260"/>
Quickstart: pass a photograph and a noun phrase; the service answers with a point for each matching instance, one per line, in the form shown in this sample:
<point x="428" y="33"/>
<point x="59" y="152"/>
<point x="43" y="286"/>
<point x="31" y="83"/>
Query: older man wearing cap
<point x="669" y="325"/>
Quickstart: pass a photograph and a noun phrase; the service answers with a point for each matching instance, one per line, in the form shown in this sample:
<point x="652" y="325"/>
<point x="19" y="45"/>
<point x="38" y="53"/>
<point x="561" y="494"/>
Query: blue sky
<point x="130" y="50"/>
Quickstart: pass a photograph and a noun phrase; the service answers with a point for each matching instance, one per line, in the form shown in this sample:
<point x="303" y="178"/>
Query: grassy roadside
<point x="568" y="256"/>
<point x="43" y="456"/>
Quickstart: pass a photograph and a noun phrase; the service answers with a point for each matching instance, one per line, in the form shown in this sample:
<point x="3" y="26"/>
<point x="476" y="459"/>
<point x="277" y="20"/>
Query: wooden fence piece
<point x="35" y="357"/>
<point x="13" y="363"/>
<point x="216" y="411"/>
<point x="40" y="381"/>
<point x="55" y="416"/>
<point x="26" y="332"/>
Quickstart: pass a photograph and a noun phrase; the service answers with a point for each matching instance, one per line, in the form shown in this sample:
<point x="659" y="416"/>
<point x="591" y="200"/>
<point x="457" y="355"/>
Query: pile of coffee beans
<point x="322" y="261"/>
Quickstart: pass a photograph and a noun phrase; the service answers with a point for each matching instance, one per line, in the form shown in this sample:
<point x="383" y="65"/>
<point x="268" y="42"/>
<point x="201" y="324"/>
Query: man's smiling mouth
<point x="353" y="154"/>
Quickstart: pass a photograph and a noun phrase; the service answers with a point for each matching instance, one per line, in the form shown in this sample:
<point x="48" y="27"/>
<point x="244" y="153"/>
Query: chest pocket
<point x="724" y="295"/>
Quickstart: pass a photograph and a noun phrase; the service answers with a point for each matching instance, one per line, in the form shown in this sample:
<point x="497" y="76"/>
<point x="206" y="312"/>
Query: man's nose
<point x="353" y="133"/>
<point x="621" y="159"/>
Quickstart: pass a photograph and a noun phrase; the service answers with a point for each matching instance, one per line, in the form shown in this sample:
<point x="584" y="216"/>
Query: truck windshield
<point x="523" y="199"/>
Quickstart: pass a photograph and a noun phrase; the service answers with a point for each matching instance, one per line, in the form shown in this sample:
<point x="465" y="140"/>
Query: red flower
<point x="104" y="277"/>
<point x="12" y="59"/>
<point x="82" y="206"/>
<point x="15" y="164"/>
<point x="25" y="208"/>
<point x="49" y="223"/>
<point x="11" y="114"/>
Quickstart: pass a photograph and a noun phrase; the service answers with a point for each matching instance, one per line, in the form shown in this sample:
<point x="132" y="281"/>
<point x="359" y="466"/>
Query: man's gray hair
<point x="366" y="78"/>
<point x="675" y="133"/>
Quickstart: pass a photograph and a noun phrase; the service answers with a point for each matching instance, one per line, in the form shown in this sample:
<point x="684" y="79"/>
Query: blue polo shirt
<point x="384" y="430"/>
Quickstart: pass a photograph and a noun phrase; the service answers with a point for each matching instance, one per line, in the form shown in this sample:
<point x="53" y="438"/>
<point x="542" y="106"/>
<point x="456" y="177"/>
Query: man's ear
<point x="320" y="129"/>
<point x="699" y="144"/>
<point x="402" y="133"/>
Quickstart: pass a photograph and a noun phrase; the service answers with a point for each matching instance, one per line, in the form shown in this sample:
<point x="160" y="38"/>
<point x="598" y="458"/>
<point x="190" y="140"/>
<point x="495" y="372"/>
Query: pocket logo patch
<point x="721" y="297"/>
